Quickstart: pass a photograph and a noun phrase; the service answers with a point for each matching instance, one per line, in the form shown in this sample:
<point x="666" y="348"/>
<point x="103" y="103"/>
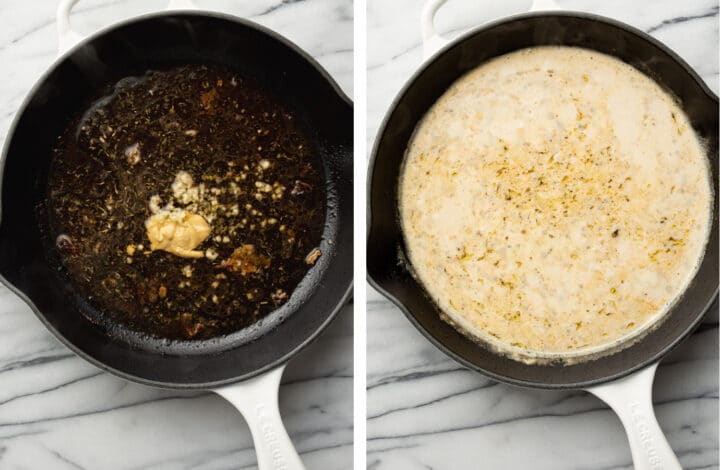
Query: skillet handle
<point x="68" y="37"/>
<point x="631" y="398"/>
<point x="257" y="400"/>
<point x="433" y="42"/>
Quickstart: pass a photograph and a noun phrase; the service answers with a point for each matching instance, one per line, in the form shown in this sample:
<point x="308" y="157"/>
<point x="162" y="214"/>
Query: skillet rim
<point x="421" y="69"/>
<point x="346" y="293"/>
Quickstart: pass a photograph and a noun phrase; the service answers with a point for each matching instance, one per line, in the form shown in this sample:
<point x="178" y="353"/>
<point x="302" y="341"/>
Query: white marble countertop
<point x="426" y="411"/>
<point x="59" y="412"/>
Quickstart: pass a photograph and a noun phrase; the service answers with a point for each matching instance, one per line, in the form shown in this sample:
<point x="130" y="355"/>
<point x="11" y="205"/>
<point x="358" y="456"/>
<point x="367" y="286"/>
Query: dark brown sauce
<point x="261" y="188"/>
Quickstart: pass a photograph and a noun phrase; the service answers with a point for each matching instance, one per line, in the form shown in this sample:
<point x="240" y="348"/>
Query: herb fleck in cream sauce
<point x="555" y="202"/>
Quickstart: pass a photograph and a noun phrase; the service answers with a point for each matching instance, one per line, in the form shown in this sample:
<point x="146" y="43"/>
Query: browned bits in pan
<point x="301" y="187"/>
<point x="186" y="141"/>
<point x="65" y="244"/>
<point x="208" y="98"/>
<point x="279" y="297"/>
<point x="246" y="260"/>
<point x="313" y="256"/>
<point x="191" y="326"/>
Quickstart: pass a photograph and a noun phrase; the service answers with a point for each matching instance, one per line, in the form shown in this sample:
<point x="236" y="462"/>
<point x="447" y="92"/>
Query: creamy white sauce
<point x="555" y="202"/>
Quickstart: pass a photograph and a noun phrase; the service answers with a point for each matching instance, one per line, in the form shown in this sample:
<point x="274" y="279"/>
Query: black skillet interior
<point x="131" y="48"/>
<point x="385" y="243"/>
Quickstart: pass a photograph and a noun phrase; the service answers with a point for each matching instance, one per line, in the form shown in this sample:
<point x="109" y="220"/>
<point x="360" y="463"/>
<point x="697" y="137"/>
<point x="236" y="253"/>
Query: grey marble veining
<point x="425" y="411"/>
<point x="57" y="411"/>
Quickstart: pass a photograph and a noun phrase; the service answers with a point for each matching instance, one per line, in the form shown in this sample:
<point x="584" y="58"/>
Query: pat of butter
<point x="177" y="231"/>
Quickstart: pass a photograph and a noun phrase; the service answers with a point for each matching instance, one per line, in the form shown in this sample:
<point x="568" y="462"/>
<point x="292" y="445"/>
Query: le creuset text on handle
<point x="631" y="398"/>
<point x="257" y="400"/>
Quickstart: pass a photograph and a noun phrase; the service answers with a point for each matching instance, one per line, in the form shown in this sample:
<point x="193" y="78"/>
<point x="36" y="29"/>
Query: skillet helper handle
<point x="433" y="42"/>
<point x="631" y="398"/>
<point x="257" y="400"/>
<point x="68" y="37"/>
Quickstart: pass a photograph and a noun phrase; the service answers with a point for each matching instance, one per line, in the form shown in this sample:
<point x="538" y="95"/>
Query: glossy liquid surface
<point x="198" y="145"/>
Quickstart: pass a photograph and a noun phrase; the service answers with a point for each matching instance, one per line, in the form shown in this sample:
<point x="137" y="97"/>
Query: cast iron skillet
<point x="387" y="267"/>
<point x="27" y="266"/>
